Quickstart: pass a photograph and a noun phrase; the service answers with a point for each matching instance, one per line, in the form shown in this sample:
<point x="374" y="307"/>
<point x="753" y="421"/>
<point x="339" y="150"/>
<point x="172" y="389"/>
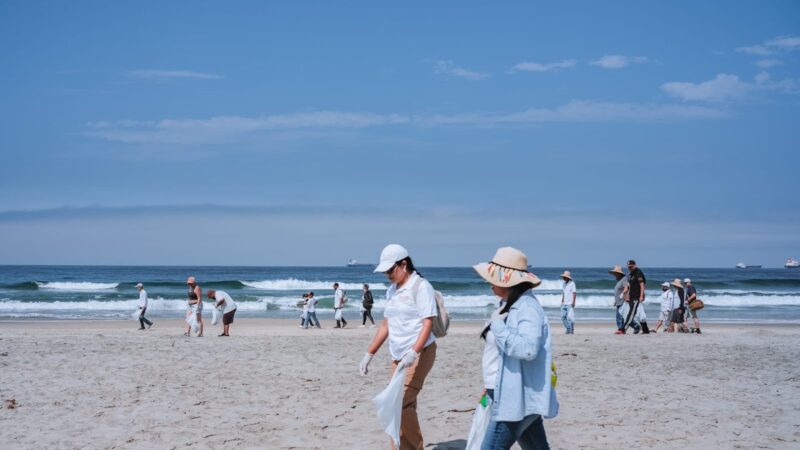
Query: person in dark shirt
<point x="637" y="282"/>
<point x="691" y="295"/>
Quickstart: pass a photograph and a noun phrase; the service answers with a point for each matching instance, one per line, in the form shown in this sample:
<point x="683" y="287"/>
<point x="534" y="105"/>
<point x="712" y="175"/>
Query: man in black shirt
<point x="637" y="284"/>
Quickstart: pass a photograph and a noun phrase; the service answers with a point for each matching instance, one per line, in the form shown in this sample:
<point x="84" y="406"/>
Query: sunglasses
<point x="391" y="269"/>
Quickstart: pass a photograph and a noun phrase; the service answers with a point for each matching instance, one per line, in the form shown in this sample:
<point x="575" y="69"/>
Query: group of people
<point x="678" y="302"/>
<point x="517" y="357"/>
<point x="308" y="314"/>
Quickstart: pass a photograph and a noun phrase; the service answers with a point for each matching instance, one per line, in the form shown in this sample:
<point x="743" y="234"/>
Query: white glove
<point x="365" y="364"/>
<point x="408" y="359"/>
<point x="497" y="315"/>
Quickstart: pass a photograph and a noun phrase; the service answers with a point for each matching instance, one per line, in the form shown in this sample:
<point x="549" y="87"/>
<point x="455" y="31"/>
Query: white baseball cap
<point x="138" y="285"/>
<point x="390" y="255"/>
<point x="665" y="284"/>
<point x="686" y="280"/>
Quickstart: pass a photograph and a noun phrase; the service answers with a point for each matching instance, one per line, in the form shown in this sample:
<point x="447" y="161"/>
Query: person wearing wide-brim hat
<point x="620" y="291"/>
<point x="678" y="313"/>
<point x="568" y="296"/>
<point x="517" y="360"/>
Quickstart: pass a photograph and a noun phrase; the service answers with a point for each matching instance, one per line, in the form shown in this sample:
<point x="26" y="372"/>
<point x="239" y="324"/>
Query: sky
<point x="309" y="133"/>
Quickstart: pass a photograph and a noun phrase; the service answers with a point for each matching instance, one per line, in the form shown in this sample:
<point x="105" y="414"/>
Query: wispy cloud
<point x="768" y="63"/>
<point x="526" y="66"/>
<point x="618" y="61"/>
<point x="225" y="128"/>
<point x="166" y="75"/>
<point x="726" y="87"/>
<point x="783" y="44"/>
<point x="448" y="68"/>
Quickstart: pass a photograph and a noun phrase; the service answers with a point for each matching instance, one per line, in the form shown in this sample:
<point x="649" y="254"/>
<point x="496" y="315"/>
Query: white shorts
<point x="664" y="316"/>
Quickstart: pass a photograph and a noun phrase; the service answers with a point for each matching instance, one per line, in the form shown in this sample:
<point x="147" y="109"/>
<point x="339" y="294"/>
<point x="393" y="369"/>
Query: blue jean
<point x="502" y="435"/>
<point x="620" y="319"/>
<point x="568" y="324"/>
<point x="312" y="320"/>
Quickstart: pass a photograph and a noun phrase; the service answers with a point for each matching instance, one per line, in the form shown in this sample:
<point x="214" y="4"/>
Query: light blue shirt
<point x="524" y="385"/>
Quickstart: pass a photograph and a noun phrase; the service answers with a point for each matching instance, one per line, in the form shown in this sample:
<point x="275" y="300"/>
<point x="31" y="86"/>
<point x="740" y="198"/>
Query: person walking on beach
<point x="620" y="291"/>
<point x="222" y="299"/>
<point x="679" y="312"/>
<point x="339" y="300"/>
<point x="407" y="323"/>
<point x="636" y="287"/>
<point x="143" y="307"/>
<point x="691" y="296"/>
<point x="568" y="296"/>
<point x="195" y="304"/>
<point x="366" y="302"/>
<point x="666" y="307"/>
<point x="311" y="301"/>
<point x="521" y="389"/>
<point x="303" y="305"/>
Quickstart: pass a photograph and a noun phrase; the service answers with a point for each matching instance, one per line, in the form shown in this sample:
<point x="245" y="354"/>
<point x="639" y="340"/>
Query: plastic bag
<point x="215" y="315"/>
<point x="571" y="315"/>
<point x="338" y="314"/>
<point x="624" y="310"/>
<point x="640" y="314"/>
<point x="480" y="423"/>
<point x="191" y="319"/>
<point x="136" y="314"/>
<point x="389" y="403"/>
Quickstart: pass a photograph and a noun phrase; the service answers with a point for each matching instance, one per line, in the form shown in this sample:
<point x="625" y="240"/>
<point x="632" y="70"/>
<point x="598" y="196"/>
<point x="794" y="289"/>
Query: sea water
<point x="108" y="292"/>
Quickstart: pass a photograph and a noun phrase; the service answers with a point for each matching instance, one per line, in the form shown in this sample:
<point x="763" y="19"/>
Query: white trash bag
<point x="480" y="423"/>
<point x="571" y="315"/>
<point x="216" y="314"/>
<point x="338" y="314"/>
<point x="624" y="310"/>
<point x="640" y="314"/>
<point x="389" y="403"/>
<point x="136" y="314"/>
<point x="191" y="319"/>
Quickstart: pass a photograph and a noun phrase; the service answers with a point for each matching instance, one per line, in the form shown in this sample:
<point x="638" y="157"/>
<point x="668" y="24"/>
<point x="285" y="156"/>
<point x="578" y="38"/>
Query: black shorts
<point x="677" y="316"/>
<point x="227" y="318"/>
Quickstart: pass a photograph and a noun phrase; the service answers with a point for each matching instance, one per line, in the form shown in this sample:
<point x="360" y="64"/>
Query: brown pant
<point x="410" y="434"/>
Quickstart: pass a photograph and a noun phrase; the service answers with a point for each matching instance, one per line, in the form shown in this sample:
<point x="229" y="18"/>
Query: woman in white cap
<point x="143" y="307"/>
<point x="568" y="296"/>
<point x="407" y="323"/>
<point x="667" y="297"/>
<point x="195" y="305"/>
<point x="522" y="390"/>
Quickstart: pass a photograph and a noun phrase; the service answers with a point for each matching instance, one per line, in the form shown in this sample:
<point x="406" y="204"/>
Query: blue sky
<point x="312" y="132"/>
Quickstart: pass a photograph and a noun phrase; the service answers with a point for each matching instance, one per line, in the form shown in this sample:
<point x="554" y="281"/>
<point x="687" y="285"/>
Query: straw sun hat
<point x="677" y="283"/>
<point x="508" y="268"/>
<point x="566" y="275"/>
<point x="617" y="270"/>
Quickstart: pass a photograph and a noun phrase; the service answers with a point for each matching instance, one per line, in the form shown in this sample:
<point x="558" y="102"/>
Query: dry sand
<point x="102" y="384"/>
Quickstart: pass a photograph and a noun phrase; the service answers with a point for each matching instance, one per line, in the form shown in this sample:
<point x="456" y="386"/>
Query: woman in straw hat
<point x="677" y="313"/>
<point x="522" y="392"/>
<point x="620" y="291"/>
<point x="568" y="296"/>
<point x="408" y="325"/>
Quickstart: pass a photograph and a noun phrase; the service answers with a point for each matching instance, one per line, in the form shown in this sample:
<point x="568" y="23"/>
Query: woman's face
<point x="501" y="291"/>
<point x="397" y="272"/>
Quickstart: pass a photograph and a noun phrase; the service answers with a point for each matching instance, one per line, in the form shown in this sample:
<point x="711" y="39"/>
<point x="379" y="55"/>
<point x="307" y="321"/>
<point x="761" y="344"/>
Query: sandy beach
<point x="103" y="384"/>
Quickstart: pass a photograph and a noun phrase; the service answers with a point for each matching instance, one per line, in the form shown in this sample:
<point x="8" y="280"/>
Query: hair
<point x="409" y="265"/>
<point x="311" y="294"/>
<point x="514" y="293"/>
<point x="305" y="295"/>
<point x="335" y="284"/>
<point x="366" y="286"/>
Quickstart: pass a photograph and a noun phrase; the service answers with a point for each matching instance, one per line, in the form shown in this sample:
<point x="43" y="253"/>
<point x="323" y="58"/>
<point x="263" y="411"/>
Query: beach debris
<point x="569" y="354"/>
<point x="461" y="410"/>
<point x="4" y="354"/>
<point x="11" y="403"/>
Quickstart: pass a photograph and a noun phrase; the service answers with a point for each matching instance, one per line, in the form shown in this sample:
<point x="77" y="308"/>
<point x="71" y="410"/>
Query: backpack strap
<point x="415" y="287"/>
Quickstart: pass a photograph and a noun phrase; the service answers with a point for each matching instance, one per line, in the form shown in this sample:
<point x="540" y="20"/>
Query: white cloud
<point x="548" y="67"/>
<point x="783" y="44"/>
<point x="728" y="87"/>
<point x="449" y="69"/>
<point x="768" y="63"/>
<point x="618" y="61"/>
<point x="165" y="75"/>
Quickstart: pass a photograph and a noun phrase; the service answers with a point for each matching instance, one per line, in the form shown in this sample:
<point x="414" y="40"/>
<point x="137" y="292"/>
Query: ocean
<point x="108" y="292"/>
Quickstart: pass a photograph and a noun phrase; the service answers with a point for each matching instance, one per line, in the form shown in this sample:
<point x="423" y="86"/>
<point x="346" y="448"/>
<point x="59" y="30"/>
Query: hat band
<point x="506" y="267"/>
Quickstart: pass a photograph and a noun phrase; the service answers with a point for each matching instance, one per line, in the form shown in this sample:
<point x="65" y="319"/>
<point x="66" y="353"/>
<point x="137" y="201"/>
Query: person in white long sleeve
<point x="229" y="309"/>
<point x="143" y="307"/>
<point x="666" y="307"/>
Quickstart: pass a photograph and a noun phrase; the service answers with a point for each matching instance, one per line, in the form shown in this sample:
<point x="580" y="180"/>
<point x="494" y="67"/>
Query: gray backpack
<point x="442" y="320"/>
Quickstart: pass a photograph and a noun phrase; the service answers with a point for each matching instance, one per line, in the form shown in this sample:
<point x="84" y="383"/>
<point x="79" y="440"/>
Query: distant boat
<point x="355" y="263"/>
<point x="792" y="263"/>
<point x="742" y="265"/>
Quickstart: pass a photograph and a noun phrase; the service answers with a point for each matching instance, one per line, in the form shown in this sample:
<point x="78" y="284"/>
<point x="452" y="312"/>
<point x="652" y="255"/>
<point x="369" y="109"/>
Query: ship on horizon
<point x="791" y="263"/>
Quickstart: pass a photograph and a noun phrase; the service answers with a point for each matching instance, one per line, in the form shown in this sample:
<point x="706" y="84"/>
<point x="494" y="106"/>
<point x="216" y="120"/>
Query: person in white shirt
<point x="338" y="306"/>
<point x="666" y="307"/>
<point x="311" y="302"/>
<point x="224" y="301"/>
<point x="143" y="307"/>
<point x="407" y="323"/>
<point x="568" y="297"/>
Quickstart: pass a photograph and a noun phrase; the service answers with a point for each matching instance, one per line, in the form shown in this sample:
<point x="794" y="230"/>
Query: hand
<point x="497" y="315"/>
<point x="408" y="359"/>
<point x="363" y="367"/>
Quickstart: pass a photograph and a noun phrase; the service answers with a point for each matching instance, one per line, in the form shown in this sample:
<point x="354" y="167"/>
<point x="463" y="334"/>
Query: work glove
<point x="363" y="367"/>
<point x="407" y="360"/>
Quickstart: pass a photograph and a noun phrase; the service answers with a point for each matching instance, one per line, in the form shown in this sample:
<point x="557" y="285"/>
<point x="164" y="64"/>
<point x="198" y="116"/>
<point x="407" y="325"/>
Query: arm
<point x="574" y="296"/>
<point x="523" y="340"/>
<point x="199" y="293"/>
<point x="380" y="337"/>
<point x="427" y="326"/>
<point x="641" y="291"/>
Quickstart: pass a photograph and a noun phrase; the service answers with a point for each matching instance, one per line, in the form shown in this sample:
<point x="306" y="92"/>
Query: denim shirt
<point x="524" y="386"/>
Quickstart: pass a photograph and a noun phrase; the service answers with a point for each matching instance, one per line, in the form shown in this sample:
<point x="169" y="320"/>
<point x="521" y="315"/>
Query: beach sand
<point x="104" y="384"/>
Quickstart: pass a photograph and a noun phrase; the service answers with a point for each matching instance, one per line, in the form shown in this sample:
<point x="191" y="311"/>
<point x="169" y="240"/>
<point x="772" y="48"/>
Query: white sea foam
<point x="293" y="284"/>
<point x="77" y="286"/>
